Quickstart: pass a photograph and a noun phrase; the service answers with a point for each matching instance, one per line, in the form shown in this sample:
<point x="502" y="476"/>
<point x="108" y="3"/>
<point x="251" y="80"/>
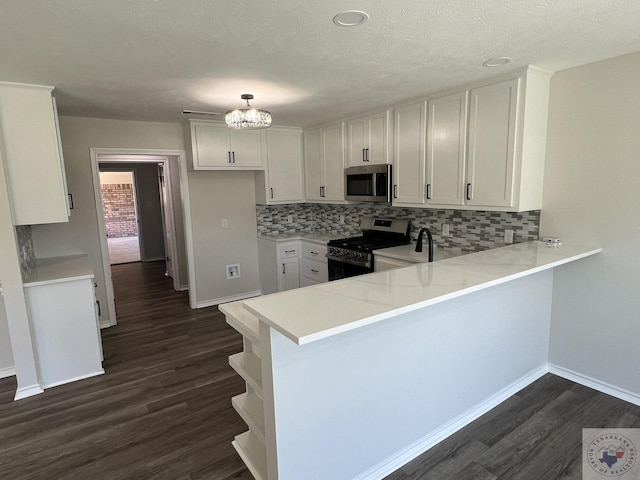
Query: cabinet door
<point x="32" y="155"/>
<point x="245" y="147"/>
<point x="409" y="166"/>
<point x="446" y="149"/>
<point x="284" y="165"/>
<point x="289" y="274"/>
<point x="333" y="156"/>
<point x="313" y="171"/>
<point x="210" y="146"/>
<point x="358" y="139"/>
<point x="378" y="148"/>
<point x="492" y="128"/>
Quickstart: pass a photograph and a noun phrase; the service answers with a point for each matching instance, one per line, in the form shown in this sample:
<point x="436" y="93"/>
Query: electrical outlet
<point x="290" y="218"/>
<point x="225" y="224"/>
<point x="341" y="218"/>
<point x="508" y="236"/>
<point x="445" y="229"/>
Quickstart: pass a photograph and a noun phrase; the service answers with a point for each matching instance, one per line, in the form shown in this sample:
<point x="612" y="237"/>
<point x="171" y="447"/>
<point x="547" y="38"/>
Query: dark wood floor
<point x="163" y="409"/>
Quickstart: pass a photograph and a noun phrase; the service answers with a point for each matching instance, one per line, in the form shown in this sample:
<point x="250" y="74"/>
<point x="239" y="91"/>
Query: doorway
<point x="120" y="215"/>
<point x="154" y="181"/>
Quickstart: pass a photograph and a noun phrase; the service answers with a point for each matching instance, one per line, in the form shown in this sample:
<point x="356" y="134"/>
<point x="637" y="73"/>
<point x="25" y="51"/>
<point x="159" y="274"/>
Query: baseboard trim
<point x="598" y="385"/>
<point x="7" y="372"/>
<point x="74" y="379"/>
<point x="232" y="298"/>
<point x="29" y="391"/>
<point x="416" y="449"/>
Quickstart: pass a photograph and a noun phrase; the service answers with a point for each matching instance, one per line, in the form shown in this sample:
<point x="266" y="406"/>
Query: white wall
<point x="215" y="196"/>
<point x="592" y="197"/>
<point x="6" y="355"/>
<point x="78" y="136"/>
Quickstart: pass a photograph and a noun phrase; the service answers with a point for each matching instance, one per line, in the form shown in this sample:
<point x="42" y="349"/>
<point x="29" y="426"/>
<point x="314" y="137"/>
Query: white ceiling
<point x="150" y="59"/>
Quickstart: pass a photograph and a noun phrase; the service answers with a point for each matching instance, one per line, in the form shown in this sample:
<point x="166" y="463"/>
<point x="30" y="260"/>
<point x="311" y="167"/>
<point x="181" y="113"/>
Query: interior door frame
<point x="129" y="155"/>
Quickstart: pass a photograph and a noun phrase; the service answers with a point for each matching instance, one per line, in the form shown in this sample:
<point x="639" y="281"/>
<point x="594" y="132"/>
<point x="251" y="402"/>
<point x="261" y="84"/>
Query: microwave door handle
<point x="374" y="186"/>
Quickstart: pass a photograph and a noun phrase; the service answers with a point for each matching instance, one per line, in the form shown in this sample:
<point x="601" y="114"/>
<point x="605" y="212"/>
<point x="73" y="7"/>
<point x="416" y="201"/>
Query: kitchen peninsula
<point x="352" y="379"/>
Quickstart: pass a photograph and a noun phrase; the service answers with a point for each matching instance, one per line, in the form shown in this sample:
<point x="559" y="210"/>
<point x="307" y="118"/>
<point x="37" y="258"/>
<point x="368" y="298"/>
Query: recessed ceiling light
<point x="497" y="61"/>
<point x="350" y="18"/>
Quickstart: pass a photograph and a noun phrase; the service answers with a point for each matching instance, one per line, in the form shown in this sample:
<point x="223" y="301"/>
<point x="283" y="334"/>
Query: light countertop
<point x="408" y="253"/>
<point x="312" y="313"/>
<point x="59" y="269"/>
<point x="317" y="237"/>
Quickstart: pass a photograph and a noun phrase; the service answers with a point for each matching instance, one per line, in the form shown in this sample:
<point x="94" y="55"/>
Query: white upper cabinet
<point x="324" y="164"/>
<point x="409" y="163"/>
<point x="492" y="130"/>
<point x="485" y="147"/>
<point x="507" y="141"/>
<point x="281" y="181"/>
<point x="217" y="147"/>
<point x="446" y="149"/>
<point x="32" y="154"/>
<point x="368" y="139"/>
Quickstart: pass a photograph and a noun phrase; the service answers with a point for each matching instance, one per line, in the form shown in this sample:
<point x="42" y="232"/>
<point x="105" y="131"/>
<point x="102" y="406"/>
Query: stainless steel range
<point x="348" y="257"/>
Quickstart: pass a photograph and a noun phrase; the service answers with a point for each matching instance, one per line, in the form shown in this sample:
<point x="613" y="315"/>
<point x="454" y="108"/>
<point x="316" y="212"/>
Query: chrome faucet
<point x="430" y="240"/>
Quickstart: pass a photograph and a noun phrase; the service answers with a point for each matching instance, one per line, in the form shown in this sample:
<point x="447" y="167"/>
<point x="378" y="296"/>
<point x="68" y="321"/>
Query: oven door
<point x="338" y="270"/>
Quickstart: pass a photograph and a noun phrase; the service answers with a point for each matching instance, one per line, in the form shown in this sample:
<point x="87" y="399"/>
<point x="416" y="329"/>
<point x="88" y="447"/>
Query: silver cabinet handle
<point x="234" y="156"/>
<point x="314" y="271"/>
<point x="283" y="269"/>
<point x="395" y="191"/>
<point x="322" y="191"/>
<point x="469" y="191"/>
<point x="367" y="159"/>
<point x="313" y="253"/>
<point x="428" y="190"/>
<point x="364" y="156"/>
<point x="228" y="157"/>
<point x="289" y="251"/>
<point x="271" y="189"/>
<point x="70" y="201"/>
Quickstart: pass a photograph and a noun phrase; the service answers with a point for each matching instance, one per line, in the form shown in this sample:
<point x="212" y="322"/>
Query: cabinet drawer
<point x="315" y="269"/>
<point x="288" y="250"/>
<point x="314" y="251"/>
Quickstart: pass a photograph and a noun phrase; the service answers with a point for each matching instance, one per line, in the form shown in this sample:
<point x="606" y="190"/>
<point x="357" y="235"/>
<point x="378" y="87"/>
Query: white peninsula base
<point x="369" y="396"/>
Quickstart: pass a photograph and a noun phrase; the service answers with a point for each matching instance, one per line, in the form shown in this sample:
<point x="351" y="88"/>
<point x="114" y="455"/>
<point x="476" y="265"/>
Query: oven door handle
<point x="349" y="261"/>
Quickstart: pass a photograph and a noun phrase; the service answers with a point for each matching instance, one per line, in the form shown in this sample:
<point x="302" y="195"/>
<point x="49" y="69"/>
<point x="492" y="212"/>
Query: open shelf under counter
<point x="248" y="366"/>
<point x="242" y="320"/>
<point x="253" y="454"/>
<point x="250" y="407"/>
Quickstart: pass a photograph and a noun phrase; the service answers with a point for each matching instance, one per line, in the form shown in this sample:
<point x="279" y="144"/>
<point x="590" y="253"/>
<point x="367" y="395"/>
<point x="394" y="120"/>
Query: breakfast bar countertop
<point x="309" y="314"/>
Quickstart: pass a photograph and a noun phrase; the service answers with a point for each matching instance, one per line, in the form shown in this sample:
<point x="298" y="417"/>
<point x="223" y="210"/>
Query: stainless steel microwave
<point x="368" y="183"/>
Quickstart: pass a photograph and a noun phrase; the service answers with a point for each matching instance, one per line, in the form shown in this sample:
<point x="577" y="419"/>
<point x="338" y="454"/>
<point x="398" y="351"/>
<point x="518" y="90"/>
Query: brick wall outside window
<point x="119" y="210"/>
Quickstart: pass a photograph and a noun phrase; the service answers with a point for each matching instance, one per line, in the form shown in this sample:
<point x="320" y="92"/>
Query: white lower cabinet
<point x="279" y="265"/>
<point x="314" y="268"/>
<point x="65" y="330"/>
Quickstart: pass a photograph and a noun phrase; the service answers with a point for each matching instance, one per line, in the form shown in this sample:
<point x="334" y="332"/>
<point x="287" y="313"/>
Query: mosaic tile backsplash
<point x="26" y="252"/>
<point x="469" y="230"/>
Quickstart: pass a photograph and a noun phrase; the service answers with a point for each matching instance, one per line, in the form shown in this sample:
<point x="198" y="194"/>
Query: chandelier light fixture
<point x="248" y="118"/>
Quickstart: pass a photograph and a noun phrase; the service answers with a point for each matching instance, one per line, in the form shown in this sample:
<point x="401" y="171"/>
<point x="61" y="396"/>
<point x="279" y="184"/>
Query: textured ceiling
<point x="150" y="59"/>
